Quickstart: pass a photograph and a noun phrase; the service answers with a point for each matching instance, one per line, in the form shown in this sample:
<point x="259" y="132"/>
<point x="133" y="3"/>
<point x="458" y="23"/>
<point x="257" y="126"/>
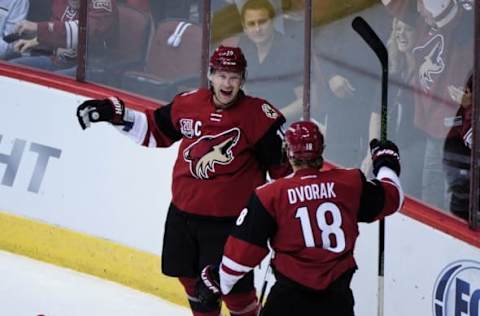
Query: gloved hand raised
<point x="384" y="154"/>
<point x="107" y="110"/>
<point x="208" y="285"/>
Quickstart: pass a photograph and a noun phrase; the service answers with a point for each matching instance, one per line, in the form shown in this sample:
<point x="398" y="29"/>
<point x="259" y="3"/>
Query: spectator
<point x="278" y="23"/>
<point x="347" y="87"/>
<point x="401" y="128"/>
<point x="276" y="63"/>
<point x="228" y="142"/>
<point x="444" y="57"/>
<point x="58" y="37"/>
<point x="457" y="151"/>
<point x="310" y="219"/>
<point x="11" y="12"/>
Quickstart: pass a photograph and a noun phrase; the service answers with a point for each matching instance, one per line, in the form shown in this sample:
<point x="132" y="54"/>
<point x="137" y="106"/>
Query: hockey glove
<point x="384" y="154"/>
<point x="208" y="286"/>
<point x="107" y="110"/>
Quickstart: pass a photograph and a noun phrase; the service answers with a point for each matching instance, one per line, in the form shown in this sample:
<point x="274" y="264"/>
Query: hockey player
<point x="310" y="218"/>
<point x="228" y="142"/>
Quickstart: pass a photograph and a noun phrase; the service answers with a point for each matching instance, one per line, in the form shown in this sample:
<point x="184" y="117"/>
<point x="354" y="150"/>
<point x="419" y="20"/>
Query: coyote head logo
<point x="432" y="63"/>
<point x="203" y="154"/>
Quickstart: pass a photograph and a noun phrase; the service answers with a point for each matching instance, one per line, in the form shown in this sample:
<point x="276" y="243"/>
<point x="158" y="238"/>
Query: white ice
<point x="31" y="288"/>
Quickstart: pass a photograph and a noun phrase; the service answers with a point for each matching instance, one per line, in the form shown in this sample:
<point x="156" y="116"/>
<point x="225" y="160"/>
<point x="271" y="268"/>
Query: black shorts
<point x="191" y="242"/>
<point x="287" y="298"/>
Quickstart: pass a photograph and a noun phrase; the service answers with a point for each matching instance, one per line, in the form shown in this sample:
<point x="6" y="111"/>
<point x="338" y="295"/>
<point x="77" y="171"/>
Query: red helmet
<point x="228" y="59"/>
<point x="304" y="141"/>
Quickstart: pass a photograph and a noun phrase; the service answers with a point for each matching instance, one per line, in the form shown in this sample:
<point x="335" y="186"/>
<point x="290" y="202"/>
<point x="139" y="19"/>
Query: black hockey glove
<point x="384" y="154"/>
<point x="107" y="110"/>
<point x="208" y="286"/>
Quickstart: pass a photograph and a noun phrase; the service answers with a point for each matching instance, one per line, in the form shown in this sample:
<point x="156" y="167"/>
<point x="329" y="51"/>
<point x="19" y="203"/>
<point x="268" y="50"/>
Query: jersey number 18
<point x="326" y="229"/>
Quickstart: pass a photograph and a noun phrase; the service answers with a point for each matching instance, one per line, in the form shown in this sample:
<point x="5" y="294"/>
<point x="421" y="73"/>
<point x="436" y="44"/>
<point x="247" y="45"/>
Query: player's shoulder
<point x="274" y="184"/>
<point x="347" y="175"/>
<point x="191" y="95"/>
<point x="260" y="108"/>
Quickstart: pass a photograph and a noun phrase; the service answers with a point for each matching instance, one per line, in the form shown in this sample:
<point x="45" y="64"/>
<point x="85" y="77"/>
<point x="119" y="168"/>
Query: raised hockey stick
<point x="371" y="38"/>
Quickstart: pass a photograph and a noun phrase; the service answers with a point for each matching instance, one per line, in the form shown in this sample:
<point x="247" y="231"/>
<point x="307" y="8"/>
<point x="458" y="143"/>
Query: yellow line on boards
<point x="88" y="254"/>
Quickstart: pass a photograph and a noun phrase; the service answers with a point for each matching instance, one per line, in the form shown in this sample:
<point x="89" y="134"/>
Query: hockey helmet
<point x="304" y="141"/>
<point x="228" y="59"/>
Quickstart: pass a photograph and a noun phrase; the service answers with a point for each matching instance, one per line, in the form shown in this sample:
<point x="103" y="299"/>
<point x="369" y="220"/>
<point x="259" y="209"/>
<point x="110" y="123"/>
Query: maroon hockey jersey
<point x="61" y="32"/>
<point x="444" y="58"/>
<point x="311" y="220"/>
<point x="218" y="164"/>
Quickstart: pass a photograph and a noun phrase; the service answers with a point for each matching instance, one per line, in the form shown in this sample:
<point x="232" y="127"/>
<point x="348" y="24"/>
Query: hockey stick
<point x="371" y="38"/>
<point x="264" y="286"/>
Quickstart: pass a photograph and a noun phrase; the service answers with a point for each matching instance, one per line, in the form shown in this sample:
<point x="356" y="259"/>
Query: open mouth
<point x="226" y="93"/>
<point x="401" y="42"/>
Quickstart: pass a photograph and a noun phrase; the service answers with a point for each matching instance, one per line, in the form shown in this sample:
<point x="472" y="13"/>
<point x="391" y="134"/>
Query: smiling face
<point x="258" y="25"/>
<point x="226" y="86"/>
<point x="404" y="36"/>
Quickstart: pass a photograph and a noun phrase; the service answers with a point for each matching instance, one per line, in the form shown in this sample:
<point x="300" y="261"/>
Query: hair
<point x="398" y="61"/>
<point x="315" y="163"/>
<point x="258" y="5"/>
<point x="212" y="70"/>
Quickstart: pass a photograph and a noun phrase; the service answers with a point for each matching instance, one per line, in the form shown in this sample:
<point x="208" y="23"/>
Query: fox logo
<point x="208" y="150"/>
<point x="432" y="63"/>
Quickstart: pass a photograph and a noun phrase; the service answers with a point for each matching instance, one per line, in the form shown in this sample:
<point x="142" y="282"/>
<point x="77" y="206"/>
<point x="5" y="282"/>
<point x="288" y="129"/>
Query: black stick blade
<point x="371" y="38"/>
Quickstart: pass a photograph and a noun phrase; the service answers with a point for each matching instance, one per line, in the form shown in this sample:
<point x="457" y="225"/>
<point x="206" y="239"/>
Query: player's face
<point x="226" y="86"/>
<point x="258" y="25"/>
<point x="404" y="36"/>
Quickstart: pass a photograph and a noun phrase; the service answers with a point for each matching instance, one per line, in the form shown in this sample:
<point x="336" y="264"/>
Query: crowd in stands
<point x="430" y="45"/>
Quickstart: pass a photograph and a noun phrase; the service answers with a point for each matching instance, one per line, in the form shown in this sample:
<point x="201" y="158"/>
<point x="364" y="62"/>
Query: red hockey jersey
<point x="223" y="154"/>
<point x="61" y="32"/>
<point x="311" y="220"/>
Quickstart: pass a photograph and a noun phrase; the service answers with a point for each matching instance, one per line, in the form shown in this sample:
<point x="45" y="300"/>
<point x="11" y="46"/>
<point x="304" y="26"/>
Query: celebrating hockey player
<point x="310" y="218"/>
<point x="228" y="142"/>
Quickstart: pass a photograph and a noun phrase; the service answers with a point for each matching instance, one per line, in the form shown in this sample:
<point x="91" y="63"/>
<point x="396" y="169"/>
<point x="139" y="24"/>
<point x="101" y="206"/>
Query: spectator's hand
<point x="341" y="87"/>
<point x="384" y="154"/>
<point x="26" y="27"/>
<point x="455" y="93"/>
<point x="107" y="110"/>
<point x="208" y="286"/>
<point x="25" y="45"/>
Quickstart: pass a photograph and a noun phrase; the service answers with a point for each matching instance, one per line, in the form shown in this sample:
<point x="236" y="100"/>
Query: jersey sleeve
<point x="17" y="13"/>
<point x="270" y="153"/>
<point x="64" y="34"/>
<point x="266" y="127"/>
<point x="160" y="129"/>
<point x="247" y="244"/>
<point x="380" y="197"/>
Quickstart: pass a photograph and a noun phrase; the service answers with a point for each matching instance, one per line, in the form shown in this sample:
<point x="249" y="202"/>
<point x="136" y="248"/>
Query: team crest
<point x="269" y="111"/>
<point x="432" y="63"/>
<point x="209" y="150"/>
